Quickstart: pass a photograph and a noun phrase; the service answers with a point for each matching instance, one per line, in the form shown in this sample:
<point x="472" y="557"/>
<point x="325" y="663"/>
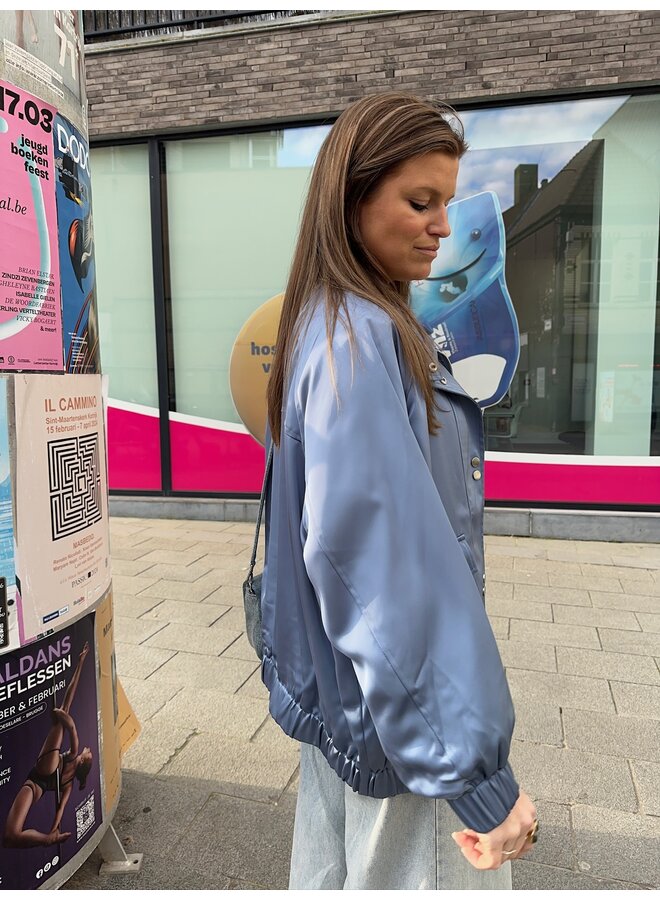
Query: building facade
<point x="202" y="144"/>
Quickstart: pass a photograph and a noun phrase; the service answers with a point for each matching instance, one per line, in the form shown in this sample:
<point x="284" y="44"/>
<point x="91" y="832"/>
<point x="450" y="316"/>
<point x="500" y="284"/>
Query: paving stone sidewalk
<point x="209" y="788"/>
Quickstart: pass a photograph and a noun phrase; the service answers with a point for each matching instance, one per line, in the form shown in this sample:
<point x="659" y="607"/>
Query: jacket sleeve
<point x="395" y="590"/>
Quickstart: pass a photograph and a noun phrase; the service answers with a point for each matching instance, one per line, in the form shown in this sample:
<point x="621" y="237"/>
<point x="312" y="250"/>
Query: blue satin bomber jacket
<point x="377" y="648"/>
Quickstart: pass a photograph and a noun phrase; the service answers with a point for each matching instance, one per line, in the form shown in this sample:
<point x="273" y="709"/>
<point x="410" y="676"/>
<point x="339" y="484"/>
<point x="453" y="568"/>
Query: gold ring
<point x="531" y="837"/>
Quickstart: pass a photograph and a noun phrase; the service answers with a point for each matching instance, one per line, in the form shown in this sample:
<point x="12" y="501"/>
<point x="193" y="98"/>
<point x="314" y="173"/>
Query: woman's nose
<point x="440" y="225"/>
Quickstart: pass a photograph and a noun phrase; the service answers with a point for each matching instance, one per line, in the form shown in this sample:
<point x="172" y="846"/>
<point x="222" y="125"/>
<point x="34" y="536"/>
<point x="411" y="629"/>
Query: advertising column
<point x="59" y="713"/>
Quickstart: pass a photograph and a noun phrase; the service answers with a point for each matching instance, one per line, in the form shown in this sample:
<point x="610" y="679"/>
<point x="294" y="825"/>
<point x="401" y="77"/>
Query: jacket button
<point x="476" y="475"/>
<point x="443" y="380"/>
<point x="475" y="461"/>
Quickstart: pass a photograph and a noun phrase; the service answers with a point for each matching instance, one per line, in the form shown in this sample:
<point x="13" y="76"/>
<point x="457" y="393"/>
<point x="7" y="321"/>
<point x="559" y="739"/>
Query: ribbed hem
<point x="306" y="727"/>
<point x="487" y="805"/>
<point x="482" y="808"/>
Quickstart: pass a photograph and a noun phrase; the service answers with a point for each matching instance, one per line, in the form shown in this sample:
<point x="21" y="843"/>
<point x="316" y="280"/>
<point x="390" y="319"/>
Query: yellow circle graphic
<point x="250" y="365"/>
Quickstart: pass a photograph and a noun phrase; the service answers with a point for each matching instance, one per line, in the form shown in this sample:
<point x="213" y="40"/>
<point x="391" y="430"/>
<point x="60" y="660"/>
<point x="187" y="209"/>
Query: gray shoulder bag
<point x="252" y="584"/>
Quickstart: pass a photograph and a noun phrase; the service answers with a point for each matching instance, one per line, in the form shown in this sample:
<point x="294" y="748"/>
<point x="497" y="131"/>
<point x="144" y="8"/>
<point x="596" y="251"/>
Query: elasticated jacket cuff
<point x="488" y="804"/>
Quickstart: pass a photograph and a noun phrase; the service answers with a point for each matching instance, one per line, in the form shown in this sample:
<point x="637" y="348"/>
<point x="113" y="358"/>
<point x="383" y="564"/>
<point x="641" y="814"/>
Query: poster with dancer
<point x="76" y="242"/>
<point x="50" y="789"/>
<point x="30" y="310"/>
<point x="62" y="544"/>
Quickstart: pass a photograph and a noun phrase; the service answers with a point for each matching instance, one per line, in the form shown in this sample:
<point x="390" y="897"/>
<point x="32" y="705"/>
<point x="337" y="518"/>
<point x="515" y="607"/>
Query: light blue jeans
<point x="342" y="840"/>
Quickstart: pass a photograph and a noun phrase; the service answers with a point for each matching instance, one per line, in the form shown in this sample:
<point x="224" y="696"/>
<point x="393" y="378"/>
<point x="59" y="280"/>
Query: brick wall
<point x="315" y="68"/>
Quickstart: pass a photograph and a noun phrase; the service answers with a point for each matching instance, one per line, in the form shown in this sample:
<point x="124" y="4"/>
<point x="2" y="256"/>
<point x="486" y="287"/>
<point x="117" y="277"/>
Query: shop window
<point x="577" y="183"/>
<point x="233" y="208"/>
<point x="124" y="272"/>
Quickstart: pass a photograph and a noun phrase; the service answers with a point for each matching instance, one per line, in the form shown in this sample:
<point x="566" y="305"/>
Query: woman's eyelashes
<point x="423" y="207"/>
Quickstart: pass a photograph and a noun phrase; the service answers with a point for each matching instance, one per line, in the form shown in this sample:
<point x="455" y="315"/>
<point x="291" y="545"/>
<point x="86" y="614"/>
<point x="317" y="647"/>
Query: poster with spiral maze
<point x="61" y="534"/>
<point x="75" y="484"/>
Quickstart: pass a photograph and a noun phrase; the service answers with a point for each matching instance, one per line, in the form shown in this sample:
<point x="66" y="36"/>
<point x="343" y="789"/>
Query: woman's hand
<point x="510" y="840"/>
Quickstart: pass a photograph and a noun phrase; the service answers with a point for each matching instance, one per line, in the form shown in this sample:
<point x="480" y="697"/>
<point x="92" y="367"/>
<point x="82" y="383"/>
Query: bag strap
<point x="269" y="465"/>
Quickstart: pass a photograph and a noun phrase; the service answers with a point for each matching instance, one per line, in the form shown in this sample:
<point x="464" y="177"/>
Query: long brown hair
<point x="368" y="140"/>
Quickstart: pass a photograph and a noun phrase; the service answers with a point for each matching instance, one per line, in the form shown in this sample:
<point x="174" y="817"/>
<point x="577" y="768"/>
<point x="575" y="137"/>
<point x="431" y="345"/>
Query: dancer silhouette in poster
<point x="53" y="771"/>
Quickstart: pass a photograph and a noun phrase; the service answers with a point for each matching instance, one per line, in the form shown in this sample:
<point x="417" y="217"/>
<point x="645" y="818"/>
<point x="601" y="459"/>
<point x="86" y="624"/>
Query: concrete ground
<point x="210" y="786"/>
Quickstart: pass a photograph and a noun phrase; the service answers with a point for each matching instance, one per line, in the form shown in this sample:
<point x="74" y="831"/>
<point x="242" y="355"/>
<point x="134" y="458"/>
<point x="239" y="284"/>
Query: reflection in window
<point x="120" y="184"/>
<point x="579" y="194"/>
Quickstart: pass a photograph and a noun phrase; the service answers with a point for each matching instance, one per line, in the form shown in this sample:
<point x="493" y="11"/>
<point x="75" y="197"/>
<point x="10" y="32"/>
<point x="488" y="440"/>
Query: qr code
<point x="75" y="484"/>
<point x="85" y="818"/>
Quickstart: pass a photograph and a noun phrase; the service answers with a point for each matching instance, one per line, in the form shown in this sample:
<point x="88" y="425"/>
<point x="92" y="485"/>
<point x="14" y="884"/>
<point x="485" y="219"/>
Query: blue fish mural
<point x="464" y="304"/>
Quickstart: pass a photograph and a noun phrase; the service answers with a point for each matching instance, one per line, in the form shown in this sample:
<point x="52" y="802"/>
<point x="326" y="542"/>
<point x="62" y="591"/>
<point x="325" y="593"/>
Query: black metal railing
<point x="120" y="24"/>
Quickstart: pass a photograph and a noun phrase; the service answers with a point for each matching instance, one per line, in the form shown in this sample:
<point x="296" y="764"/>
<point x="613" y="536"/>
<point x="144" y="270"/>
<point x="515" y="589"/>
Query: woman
<point x="378" y="653"/>
<point x="53" y="771"/>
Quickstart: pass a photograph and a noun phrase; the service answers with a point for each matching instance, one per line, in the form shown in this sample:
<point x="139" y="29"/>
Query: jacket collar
<point x="443" y="380"/>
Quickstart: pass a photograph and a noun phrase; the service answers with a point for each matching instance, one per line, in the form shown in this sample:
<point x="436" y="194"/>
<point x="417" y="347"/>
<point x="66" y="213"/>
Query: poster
<point x="76" y="243"/>
<point x="62" y="549"/>
<point x="465" y="305"/>
<point x="129" y="727"/>
<point x="109" y="702"/>
<point x="50" y="789"/>
<point x="41" y="49"/>
<point x="8" y="609"/>
<point x="30" y="311"/>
